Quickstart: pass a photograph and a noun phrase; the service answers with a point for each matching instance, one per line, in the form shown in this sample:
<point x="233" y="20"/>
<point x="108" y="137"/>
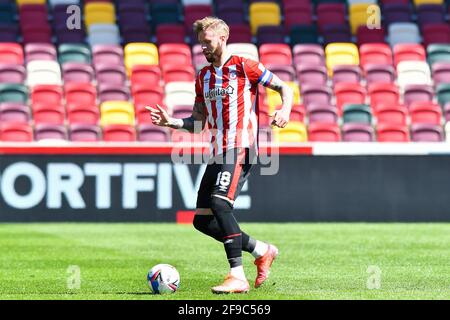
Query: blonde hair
<point x="213" y="23"/>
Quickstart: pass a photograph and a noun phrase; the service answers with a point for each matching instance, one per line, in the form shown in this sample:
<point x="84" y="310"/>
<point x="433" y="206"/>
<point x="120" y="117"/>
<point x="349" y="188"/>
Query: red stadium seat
<point x="47" y="94"/>
<point x="11" y="53"/>
<point x="17" y="132"/>
<point x="174" y="54"/>
<point x="195" y="12"/>
<point x="298" y="113"/>
<point x="408" y="52"/>
<point x="48" y="114"/>
<point x="83" y="114"/>
<point x="324" y="132"/>
<point x="173" y="73"/>
<point x="435" y="33"/>
<point x="275" y="53"/>
<point x="375" y="53"/>
<point x="347" y="93"/>
<point x="119" y="132"/>
<point x="365" y="35"/>
<point x="170" y="33"/>
<point x="149" y="75"/>
<point x="146" y="95"/>
<point x="240" y="33"/>
<point x="425" y="112"/>
<point x="393" y="114"/>
<point x="80" y="93"/>
<point x="392" y="132"/>
<point x="383" y="93"/>
<point x="297" y="13"/>
<point x="330" y="13"/>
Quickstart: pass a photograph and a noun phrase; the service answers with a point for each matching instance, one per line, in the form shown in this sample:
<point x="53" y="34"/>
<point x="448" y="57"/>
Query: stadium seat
<point x="383" y="93"/>
<point x="347" y="73"/>
<point x="41" y="33"/>
<point x="392" y="132"/>
<point x="69" y="36"/>
<point x="232" y="12"/>
<point x="107" y="54"/>
<point x="363" y="14"/>
<point x="110" y="74"/>
<point x="80" y="94"/>
<point x="112" y="92"/>
<point x="119" y="133"/>
<point x="99" y="12"/>
<point x="274" y="99"/>
<point x="9" y="33"/>
<point x="84" y="132"/>
<point x="403" y="32"/>
<point x="48" y="131"/>
<point x="417" y="93"/>
<point x="408" y="52"/>
<point x="324" y="132"/>
<point x="436" y="33"/>
<point x="364" y="35"/>
<point x="425" y="112"/>
<point x="284" y="72"/>
<point x="140" y="53"/>
<point x="11" y="53"/>
<point x="375" y="53"/>
<point x="330" y="13"/>
<point x="11" y="73"/>
<point x="297" y="13"/>
<point x="270" y="35"/>
<point x="441" y="72"/>
<point x="311" y="74"/>
<point x="14" y="112"/>
<point x="116" y="112"/>
<point x="341" y="53"/>
<point x="443" y="93"/>
<point x="357" y="113"/>
<point x="348" y="93"/>
<point x="275" y="54"/>
<point x="132" y="13"/>
<point x="182" y="111"/>
<point x="324" y="113"/>
<point x="424" y="132"/>
<point x="422" y="2"/>
<point x="240" y="33"/>
<point x="40" y="51"/>
<point x="43" y="72"/>
<point x="293" y="132"/>
<point x="149" y="75"/>
<point x="174" y="73"/>
<point x="375" y="73"/>
<point x="152" y="133"/>
<point x="300" y="34"/>
<point x="357" y="132"/>
<point x="396" y="12"/>
<point x="430" y="13"/>
<point x="73" y="53"/>
<point x="446" y="114"/>
<point x="16" y="132"/>
<point x="298" y="113"/>
<point x="413" y="72"/>
<point x="8" y="12"/>
<point x="175" y="54"/>
<point x="49" y="114"/>
<point x="144" y="94"/>
<point x="316" y="94"/>
<point x="77" y="72"/>
<point x="438" y="53"/>
<point x="336" y="34"/>
<point x="164" y="13"/>
<point x="46" y="94"/>
<point x="103" y="33"/>
<point x="83" y="114"/>
<point x="193" y="12"/>
<point x="263" y="13"/>
<point x="25" y="2"/>
<point x="246" y="50"/>
<point x="170" y="33"/>
<point x="11" y="92"/>
<point x="308" y="54"/>
<point x="392" y="114"/>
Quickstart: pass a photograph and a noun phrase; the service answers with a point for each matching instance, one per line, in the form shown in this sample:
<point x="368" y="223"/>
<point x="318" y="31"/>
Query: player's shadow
<point x="134" y="293"/>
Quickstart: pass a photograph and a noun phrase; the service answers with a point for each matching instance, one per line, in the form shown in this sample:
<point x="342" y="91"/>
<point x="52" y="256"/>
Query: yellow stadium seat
<point x="274" y="98"/>
<point x="294" y="132"/>
<point x="21" y="2"/>
<point x="339" y="53"/>
<point x="99" y="12"/>
<point x="421" y="2"/>
<point x="137" y="53"/>
<point x="264" y="14"/>
<point x="360" y="15"/>
<point x="117" y="112"/>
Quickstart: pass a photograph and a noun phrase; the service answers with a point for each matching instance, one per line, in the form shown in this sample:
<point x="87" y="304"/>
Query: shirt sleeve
<point x="199" y="98"/>
<point x="257" y="72"/>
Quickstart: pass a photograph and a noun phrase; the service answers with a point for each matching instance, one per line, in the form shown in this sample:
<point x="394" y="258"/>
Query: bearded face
<point x="211" y="45"/>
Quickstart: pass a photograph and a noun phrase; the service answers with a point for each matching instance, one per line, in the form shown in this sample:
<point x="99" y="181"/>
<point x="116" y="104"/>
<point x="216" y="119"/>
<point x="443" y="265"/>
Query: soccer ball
<point x="163" y="278"/>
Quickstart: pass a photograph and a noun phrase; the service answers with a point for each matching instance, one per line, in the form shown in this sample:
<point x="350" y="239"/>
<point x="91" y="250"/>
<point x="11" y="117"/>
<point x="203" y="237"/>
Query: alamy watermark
<point x="74" y="278"/>
<point x="374" y="279"/>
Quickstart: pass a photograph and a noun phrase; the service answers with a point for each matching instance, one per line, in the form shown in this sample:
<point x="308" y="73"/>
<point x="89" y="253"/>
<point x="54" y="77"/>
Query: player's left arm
<point x="281" y="116"/>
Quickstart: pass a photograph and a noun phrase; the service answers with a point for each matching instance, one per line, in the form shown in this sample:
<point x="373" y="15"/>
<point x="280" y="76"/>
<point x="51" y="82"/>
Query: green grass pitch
<point x="316" y="261"/>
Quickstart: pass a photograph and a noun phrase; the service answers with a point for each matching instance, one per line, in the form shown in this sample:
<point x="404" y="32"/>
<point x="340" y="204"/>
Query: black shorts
<point x="225" y="176"/>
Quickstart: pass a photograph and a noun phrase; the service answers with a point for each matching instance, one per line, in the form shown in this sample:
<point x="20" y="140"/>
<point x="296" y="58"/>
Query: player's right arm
<point x="195" y="123"/>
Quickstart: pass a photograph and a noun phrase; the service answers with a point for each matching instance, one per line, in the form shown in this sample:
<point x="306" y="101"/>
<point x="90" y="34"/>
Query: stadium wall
<point x="314" y="183"/>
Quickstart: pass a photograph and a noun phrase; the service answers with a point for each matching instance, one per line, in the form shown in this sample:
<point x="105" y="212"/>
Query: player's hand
<point x="280" y="118"/>
<point x="159" y="116"/>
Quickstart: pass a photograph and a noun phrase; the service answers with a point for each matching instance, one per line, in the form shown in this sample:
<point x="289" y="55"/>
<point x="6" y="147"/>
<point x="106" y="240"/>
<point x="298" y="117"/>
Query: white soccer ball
<point x="163" y="278"/>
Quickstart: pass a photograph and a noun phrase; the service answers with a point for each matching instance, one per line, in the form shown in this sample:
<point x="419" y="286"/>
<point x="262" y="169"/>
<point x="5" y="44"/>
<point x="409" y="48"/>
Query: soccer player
<point x="226" y="99"/>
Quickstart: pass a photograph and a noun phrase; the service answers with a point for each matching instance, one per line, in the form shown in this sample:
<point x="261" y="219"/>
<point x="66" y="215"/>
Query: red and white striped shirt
<point x="229" y="94"/>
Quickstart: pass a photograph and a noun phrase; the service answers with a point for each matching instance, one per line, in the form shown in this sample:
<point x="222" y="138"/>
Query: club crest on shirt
<point x="232" y="74"/>
<point x="216" y="92"/>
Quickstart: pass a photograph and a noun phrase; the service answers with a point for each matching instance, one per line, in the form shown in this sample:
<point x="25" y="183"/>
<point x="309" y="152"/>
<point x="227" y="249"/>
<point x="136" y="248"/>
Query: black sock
<point x="232" y="236"/>
<point x="208" y="225"/>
